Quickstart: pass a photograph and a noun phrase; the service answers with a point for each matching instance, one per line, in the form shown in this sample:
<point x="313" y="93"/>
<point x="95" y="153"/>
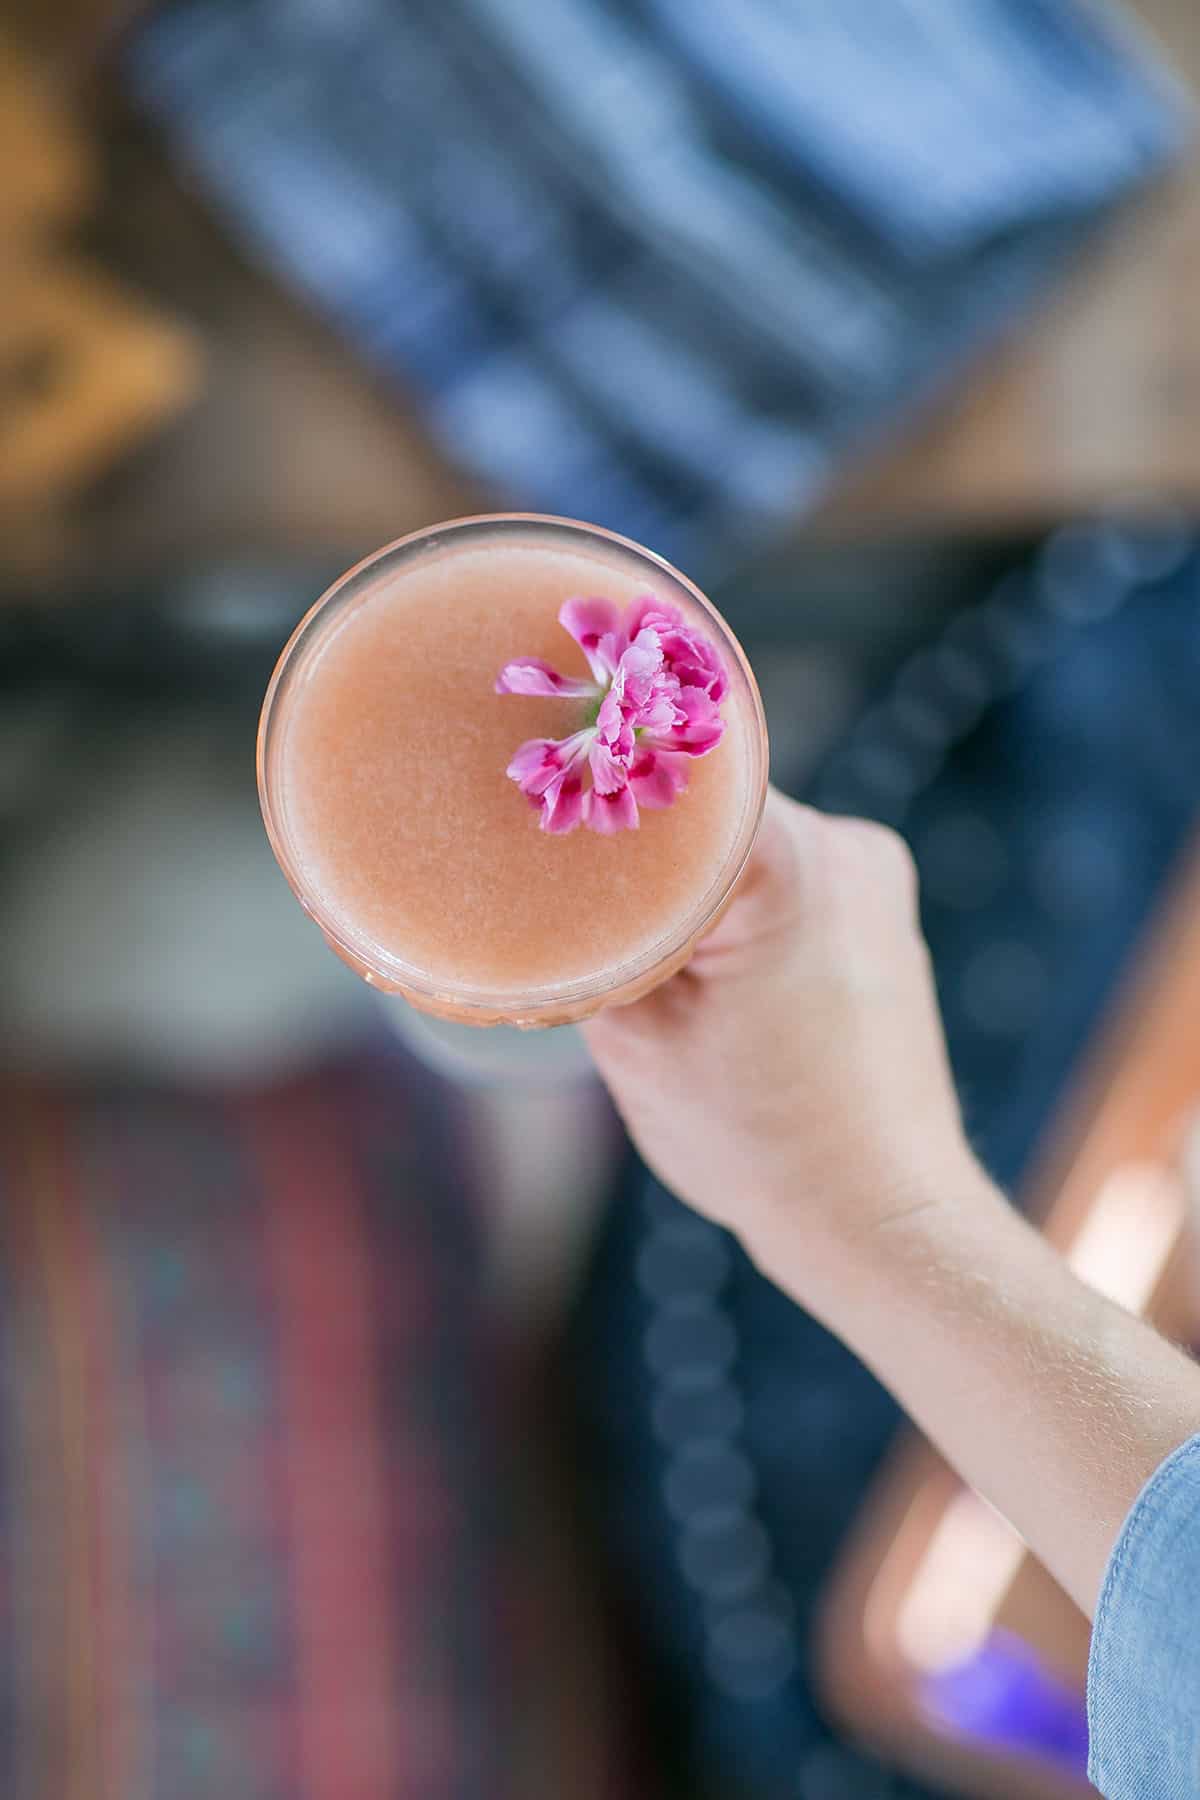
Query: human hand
<point x="792" y="1083"/>
<point x="795" y="1073"/>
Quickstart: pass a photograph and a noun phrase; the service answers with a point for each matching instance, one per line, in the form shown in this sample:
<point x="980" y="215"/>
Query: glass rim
<point x="468" y="1001"/>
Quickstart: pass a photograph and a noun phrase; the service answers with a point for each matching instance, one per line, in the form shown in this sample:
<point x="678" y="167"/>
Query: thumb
<point x="769" y="898"/>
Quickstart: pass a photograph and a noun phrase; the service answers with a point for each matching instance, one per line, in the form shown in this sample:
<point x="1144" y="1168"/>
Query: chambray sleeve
<point x="1144" y="1672"/>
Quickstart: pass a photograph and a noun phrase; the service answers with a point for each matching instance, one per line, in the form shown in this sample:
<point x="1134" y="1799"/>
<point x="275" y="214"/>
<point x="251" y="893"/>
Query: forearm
<point x="1051" y="1401"/>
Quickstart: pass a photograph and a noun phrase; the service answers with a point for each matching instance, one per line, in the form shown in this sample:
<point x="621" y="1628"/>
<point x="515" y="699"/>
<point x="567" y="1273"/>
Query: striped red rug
<point x="247" y="1468"/>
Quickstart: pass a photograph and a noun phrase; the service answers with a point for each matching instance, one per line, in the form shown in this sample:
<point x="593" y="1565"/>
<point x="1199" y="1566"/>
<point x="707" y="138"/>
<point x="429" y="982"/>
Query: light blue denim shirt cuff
<point x="1144" y="1669"/>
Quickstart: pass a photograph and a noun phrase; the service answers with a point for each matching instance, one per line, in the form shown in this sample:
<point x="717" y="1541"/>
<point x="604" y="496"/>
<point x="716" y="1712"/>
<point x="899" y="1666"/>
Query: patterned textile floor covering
<point x="247" y="1505"/>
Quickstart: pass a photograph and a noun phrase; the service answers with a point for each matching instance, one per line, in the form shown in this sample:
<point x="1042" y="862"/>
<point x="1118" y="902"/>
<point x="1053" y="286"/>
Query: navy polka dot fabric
<point x="1041" y="756"/>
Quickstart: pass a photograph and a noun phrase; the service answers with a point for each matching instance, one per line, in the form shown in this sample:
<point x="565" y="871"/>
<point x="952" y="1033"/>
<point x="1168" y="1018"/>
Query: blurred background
<point x="371" y="1425"/>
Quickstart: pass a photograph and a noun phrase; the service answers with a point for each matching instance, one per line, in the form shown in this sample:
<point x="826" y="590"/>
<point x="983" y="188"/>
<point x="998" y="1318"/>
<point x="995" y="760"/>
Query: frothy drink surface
<point x="393" y="753"/>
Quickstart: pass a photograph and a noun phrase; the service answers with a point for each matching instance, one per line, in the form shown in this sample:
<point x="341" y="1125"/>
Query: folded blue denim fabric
<point x="1144" y="1679"/>
<point x="661" y="264"/>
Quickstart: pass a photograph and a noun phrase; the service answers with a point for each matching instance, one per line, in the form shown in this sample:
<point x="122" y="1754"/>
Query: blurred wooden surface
<point x="49" y="174"/>
<point x="290" y="444"/>
<point x="295" y="446"/>
<point x="88" y="369"/>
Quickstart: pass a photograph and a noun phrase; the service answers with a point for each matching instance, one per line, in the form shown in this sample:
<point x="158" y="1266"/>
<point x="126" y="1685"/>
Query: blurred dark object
<point x="87" y="370"/>
<point x="1039" y="753"/>
<point x="214" y="629"/>
<point x="944" y="1641"/>
<point x="71" y="36"/>
<point x="642" y="268"/>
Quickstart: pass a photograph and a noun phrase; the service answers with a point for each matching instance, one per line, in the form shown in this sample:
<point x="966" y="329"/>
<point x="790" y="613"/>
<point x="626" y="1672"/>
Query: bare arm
<point x="792" y="1083"/>
<point x="1050" y="1400"/>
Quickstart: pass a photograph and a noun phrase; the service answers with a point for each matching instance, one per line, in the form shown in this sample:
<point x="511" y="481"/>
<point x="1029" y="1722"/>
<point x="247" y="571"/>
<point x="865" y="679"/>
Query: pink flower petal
<point x="695" y="661"/>
<point x="541" y="760"/>
<point x="530" y="676"/>
<point x="696" y="742"/>
<point x="533" y="767"/>
<point x="612" y="648"/>
<point x="643" y="659"/>
<point x="640" y="678"/>
<point x="657" y="778"/>
<point x="660" y="684"/>
<point x="648" y="609"/>
<point x="610" y="813"/>
<point x="594" y="624"/>
<point x="563" y="804"/>
<point x="712" y="682"/>
<point x="702" y="726"/>
<point x="613" y="723"/>
<point x="661" y="713"/>
<point x="610" y="770"/>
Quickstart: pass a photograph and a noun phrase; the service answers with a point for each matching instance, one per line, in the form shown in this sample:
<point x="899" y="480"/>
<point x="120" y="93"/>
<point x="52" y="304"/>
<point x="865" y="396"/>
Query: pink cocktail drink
<point x="386" y="771"/>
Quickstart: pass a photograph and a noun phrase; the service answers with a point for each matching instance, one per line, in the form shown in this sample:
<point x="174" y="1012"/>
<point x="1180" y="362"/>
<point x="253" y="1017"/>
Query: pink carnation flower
<point x="655" y="698"/>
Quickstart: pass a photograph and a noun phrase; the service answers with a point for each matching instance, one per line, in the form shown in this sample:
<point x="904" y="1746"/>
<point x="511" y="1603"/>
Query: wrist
<point x="854" y="1253"/>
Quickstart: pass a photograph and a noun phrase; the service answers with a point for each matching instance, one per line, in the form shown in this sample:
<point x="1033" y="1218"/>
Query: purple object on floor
<point x="1006" y="1696"/>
